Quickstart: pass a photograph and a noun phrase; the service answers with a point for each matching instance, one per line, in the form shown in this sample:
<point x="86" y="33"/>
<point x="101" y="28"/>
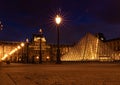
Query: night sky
<point x="22" y="18"/>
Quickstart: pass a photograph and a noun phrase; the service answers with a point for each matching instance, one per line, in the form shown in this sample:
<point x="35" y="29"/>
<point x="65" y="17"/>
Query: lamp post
<point x="40" y="51"/>
<point x="58" y="20"/>
<point x="27" y="44"/>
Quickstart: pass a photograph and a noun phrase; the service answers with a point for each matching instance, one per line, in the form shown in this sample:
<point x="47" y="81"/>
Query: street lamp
<point x="58" y="20"/>
<point x="27" y="44"/>
<point x="40" y="51"/>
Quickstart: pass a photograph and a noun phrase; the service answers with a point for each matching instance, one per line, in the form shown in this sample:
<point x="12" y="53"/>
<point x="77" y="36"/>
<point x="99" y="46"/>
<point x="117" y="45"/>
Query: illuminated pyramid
<point x="88" y="48"/>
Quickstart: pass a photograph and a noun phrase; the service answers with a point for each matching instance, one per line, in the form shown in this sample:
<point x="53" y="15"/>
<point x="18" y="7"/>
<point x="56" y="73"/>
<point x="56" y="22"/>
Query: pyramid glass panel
<point x="88" y="48"/>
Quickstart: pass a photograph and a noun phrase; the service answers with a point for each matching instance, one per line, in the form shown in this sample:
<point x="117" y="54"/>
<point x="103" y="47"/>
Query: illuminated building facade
<point x="9" y="50"/>
<point x="34" y="48"/>
<point x="15" y="52"/>
<point x="94" y="48"/>
<point x="115" y="45"/>
<point x="89" y="48"/>
<point x="63" y="50"/>
<point x="48" y="50"/>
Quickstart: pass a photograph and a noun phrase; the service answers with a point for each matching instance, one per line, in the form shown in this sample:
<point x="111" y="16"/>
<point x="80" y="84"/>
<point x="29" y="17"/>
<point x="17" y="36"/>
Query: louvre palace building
<point x="91" y="47"/>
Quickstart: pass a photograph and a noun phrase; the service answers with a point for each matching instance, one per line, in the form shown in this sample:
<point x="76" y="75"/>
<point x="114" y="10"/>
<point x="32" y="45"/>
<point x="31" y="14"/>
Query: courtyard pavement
<point x="61" y="74"/>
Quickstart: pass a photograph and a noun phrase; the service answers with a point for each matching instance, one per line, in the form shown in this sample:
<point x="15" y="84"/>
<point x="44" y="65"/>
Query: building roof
<point x="115" y="39"/>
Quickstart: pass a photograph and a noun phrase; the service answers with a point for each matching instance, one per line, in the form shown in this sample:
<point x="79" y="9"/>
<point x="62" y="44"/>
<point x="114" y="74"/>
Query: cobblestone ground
<point x="77" y="74"/>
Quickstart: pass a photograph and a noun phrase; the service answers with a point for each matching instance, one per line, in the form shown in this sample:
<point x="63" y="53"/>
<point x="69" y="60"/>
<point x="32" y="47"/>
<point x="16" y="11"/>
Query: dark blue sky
<point x="21" y="18"/>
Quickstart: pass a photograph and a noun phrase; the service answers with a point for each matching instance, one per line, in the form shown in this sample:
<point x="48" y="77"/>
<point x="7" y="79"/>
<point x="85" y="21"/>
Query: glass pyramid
<point x="88" y="48"/>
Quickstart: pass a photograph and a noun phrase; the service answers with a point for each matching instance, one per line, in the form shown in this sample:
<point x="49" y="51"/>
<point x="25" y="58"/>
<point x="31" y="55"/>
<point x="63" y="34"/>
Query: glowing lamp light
<point x="22" y="44"/>
<point x="48" y="57"/>
<point x="40" y="30"/>
<point x="16" y="49"/>
<point x="37" y="57"/>
<point x="12" y="51"/>
<point x="19" y="47"/>
<point x="27" y="40"/>
<point x="58" y="19"/>
<point x="5" y="56"/>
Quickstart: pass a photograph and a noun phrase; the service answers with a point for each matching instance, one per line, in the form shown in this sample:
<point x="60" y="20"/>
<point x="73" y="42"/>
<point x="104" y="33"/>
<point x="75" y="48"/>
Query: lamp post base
<point x="58" y="57"/>
<point x="40" y="60"/>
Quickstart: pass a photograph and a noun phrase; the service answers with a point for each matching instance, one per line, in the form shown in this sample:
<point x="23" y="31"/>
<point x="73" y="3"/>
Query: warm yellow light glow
<point x="58" y="19"/>
<point x="27" y="40"/>
<point x="18" y="47"/>
<point x="43" y="39"/>
<point x="48" y="57"/>
<point x="22" y="44"/>
<point x="40" y="30"/>
<point x="37" y="57"/>
<point x="5" y="56"/>
<point x="38" y="38"/>
<point x="12" y="51"/>
<point x="88" y="48"/>
<point x="93" y="58"/>
<point x="97" y="47"/>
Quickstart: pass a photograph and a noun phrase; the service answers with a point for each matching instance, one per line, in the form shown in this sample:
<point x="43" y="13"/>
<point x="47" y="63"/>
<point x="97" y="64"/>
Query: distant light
<point x="37" y="57"/>
<point x="48" y="57"/>
<point x="19" y="59"/>
<point x="22" y="44"/>
<point x="40" y="30"/>
<point x="102" y="38"/>
<point x="18" y="47"/>
<point x="2" y="26"/>
<point x="5" y="56"/>
<point x="27" y="40"/>
<point x="93" y="58"/>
